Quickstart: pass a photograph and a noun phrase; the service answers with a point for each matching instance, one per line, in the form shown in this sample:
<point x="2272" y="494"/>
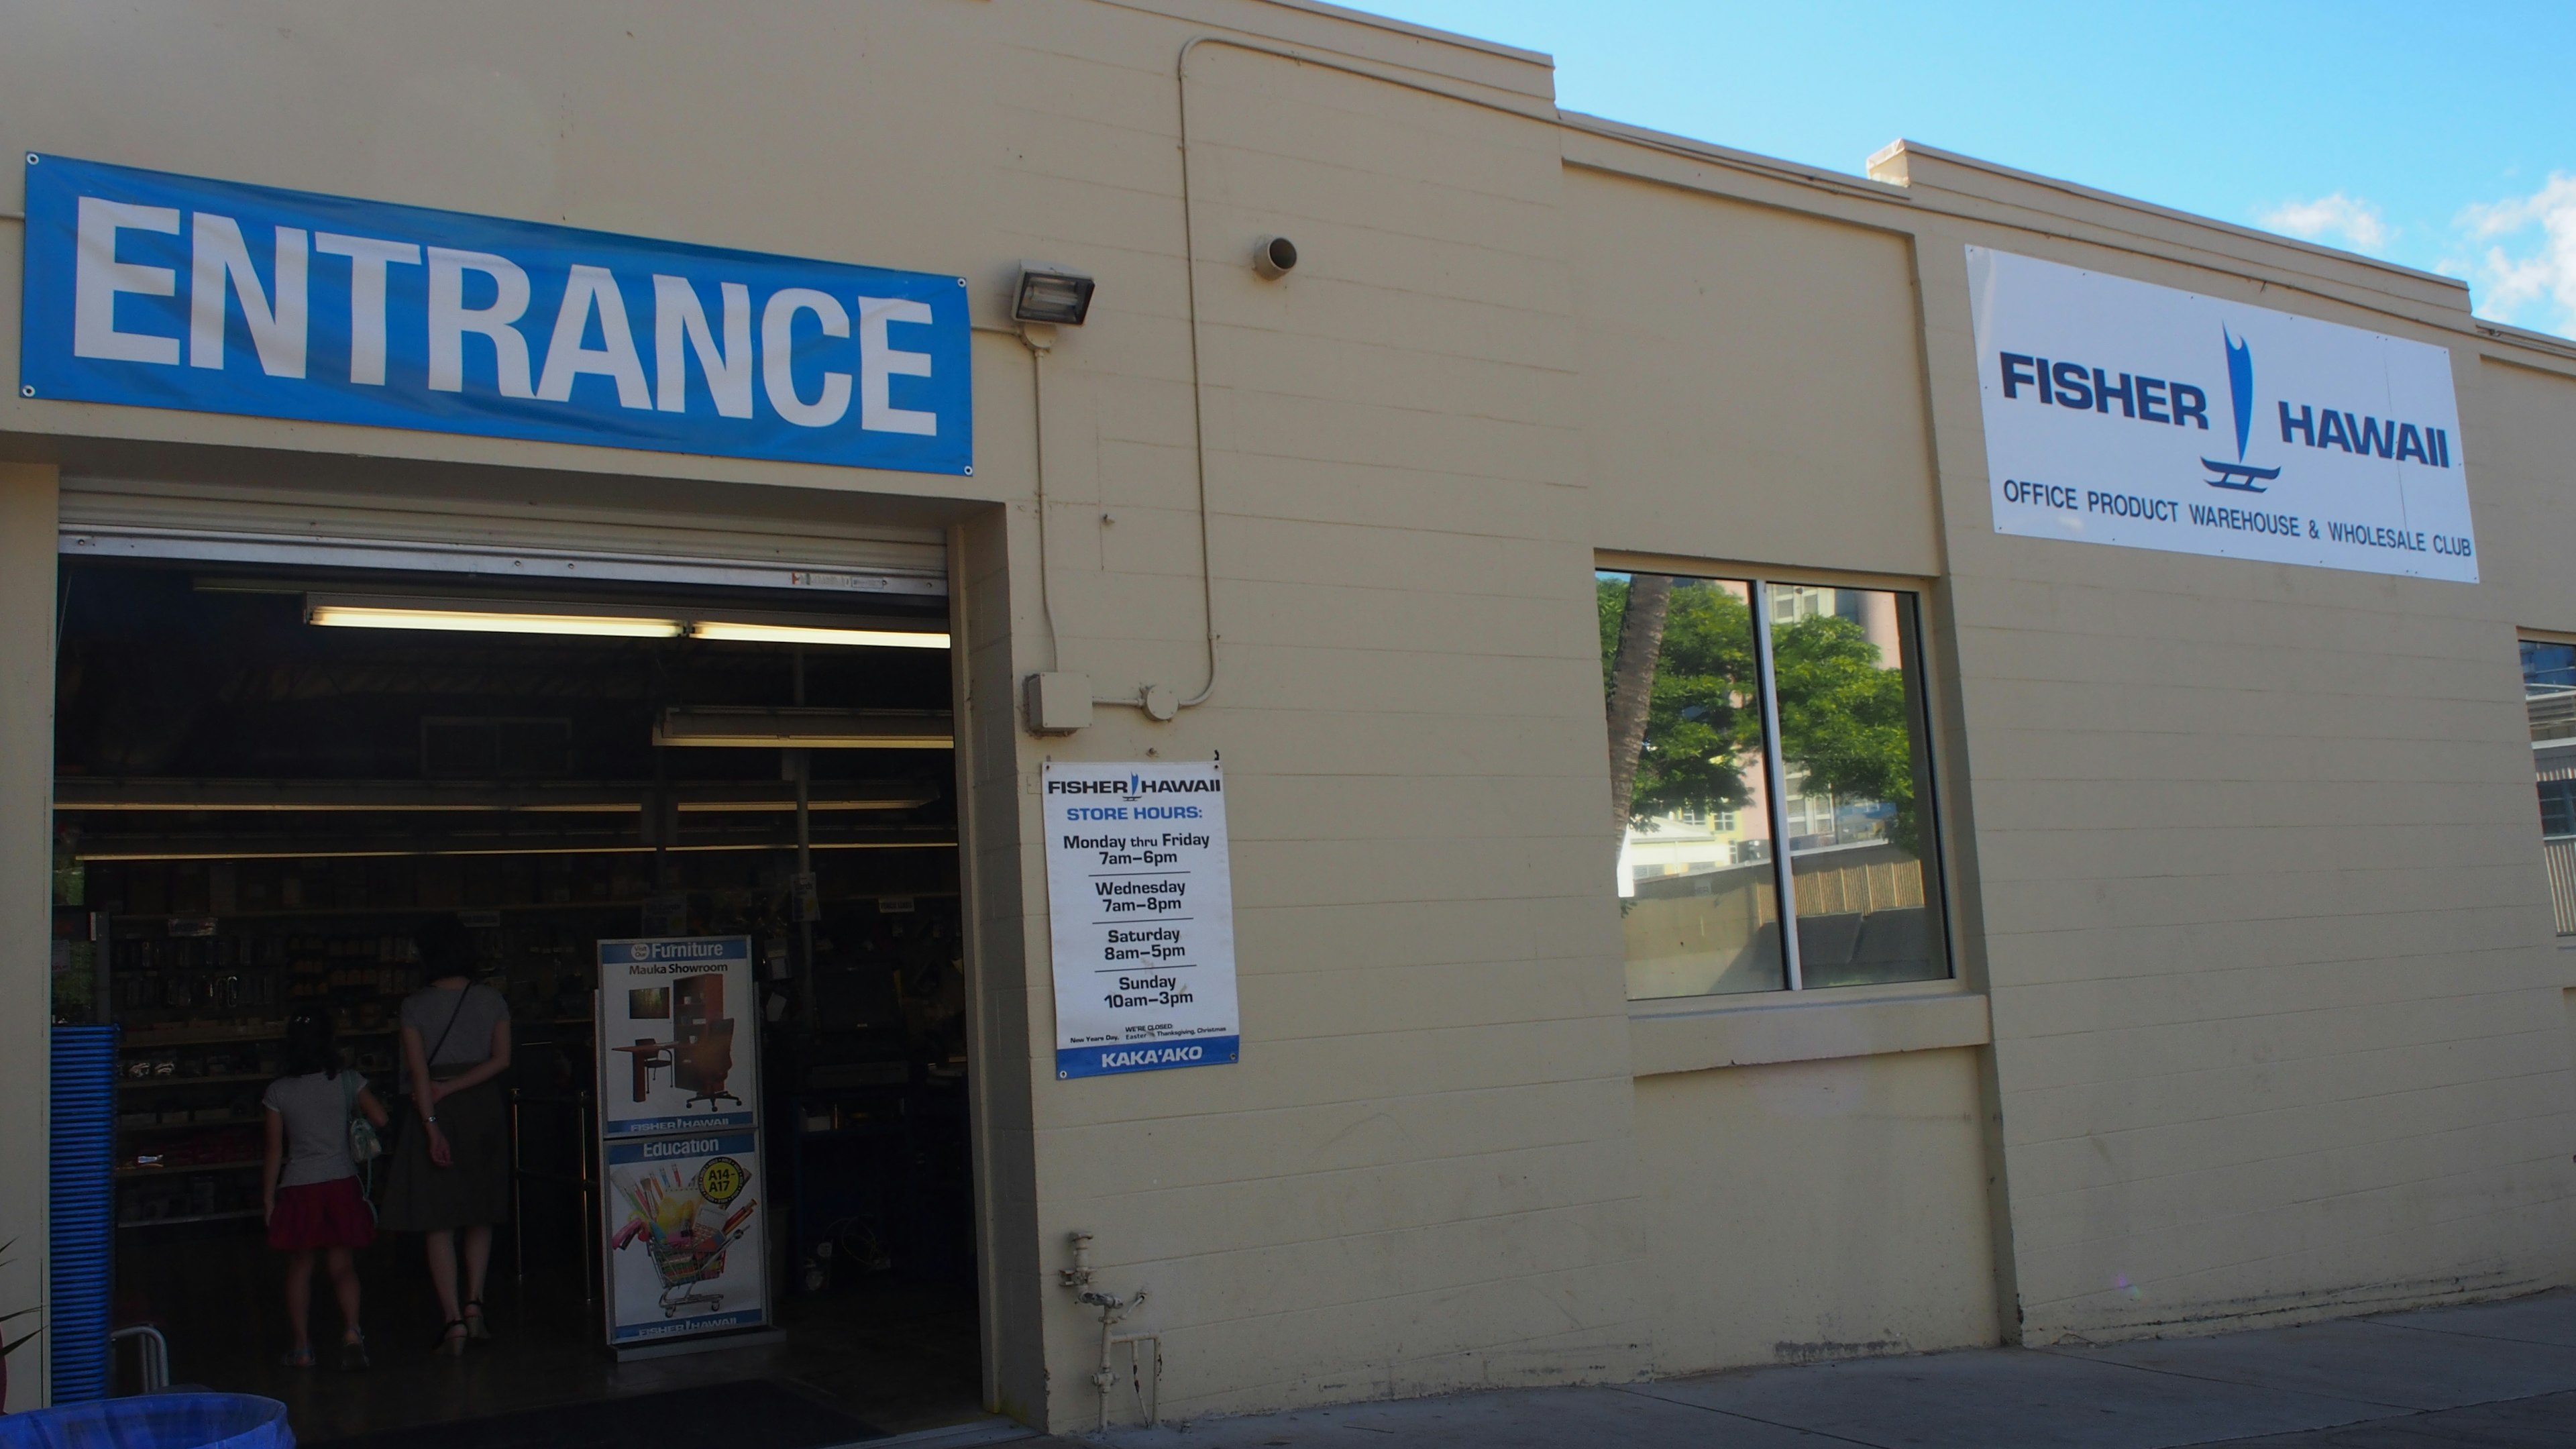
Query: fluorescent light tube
<point x="809" y="634"/>
<point x="472" y="621"/>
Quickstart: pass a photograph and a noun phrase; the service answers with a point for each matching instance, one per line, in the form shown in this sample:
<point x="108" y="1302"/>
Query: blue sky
<point x="2438" y="135"/>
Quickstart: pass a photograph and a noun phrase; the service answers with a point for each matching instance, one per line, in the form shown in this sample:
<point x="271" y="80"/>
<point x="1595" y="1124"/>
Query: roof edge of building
<point x="1892" y="163"/>
<point x="1418" y="32"/>
<point x="1692" y="148"/>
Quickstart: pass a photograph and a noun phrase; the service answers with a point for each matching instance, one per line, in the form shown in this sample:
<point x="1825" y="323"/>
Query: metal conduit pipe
<point x="1104" y="1379"/>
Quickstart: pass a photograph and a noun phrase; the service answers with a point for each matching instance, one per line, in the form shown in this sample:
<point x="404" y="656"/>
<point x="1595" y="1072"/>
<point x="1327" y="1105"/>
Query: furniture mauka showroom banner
<point x="2122" y="413"/>
<point x="679" y="1036"/>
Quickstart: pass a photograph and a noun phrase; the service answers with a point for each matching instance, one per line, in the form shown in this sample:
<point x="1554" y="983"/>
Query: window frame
<point x="1914" y="662"/>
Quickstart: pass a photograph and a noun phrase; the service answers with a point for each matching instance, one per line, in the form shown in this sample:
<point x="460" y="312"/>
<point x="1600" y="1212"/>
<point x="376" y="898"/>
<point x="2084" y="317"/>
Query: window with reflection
<point x="2549" y="698"/>
<point x="1770" y="783"/>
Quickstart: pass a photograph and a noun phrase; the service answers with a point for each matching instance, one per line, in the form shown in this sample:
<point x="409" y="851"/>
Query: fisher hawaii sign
<point x="2118" y="412"/>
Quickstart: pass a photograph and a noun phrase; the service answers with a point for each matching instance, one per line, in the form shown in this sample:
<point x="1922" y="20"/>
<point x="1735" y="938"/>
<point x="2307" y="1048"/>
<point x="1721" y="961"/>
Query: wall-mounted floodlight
<point x="1052" y="294"/>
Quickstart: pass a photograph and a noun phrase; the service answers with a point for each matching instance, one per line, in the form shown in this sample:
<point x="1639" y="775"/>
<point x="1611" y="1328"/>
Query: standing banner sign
<point x="671" y="1058"/>
<point x="1140" y="900"/>
<point x="685" y="1247"/>
<point x="2123" y="413"/>
<point x="161" y="291"/>
<point x="679" y="1123"/>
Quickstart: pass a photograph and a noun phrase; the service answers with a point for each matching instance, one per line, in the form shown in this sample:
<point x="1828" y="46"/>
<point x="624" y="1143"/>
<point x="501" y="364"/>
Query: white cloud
<point x="2358" y="223"/>
<point x="2528" y="273"/>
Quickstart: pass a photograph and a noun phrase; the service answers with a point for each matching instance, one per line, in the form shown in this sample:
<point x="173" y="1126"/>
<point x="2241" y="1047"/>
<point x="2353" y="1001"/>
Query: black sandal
<point x="474" y="1326"/>
<point x="451" y="1339"/>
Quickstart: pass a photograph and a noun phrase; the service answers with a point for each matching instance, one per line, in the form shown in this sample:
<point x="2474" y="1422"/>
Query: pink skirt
<point x="321" y="1215"/>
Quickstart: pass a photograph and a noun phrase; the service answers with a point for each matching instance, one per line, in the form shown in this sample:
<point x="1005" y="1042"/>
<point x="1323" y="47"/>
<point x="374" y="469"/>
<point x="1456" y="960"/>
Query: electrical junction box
<point x="1059" y="704"/>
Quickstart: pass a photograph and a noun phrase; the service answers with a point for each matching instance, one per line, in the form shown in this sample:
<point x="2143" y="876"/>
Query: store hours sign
<point x="2122" y="413"/>
<point x="1141" y="902"/>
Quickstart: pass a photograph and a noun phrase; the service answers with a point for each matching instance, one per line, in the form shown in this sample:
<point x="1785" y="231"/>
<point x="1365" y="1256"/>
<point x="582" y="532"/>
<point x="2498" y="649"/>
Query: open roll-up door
<point x="563" y="543"/>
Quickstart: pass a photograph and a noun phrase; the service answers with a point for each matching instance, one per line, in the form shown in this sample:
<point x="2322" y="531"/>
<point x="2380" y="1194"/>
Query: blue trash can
<point x="153" y="1421"/>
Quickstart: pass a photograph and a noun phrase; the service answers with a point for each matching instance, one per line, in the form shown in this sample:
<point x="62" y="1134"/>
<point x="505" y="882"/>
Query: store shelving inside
<point x="257" y="816"/>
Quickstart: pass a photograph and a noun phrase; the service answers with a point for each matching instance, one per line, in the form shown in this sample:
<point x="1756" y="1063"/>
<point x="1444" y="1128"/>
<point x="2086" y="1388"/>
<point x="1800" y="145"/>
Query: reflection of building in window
<point x="2549" y="696"/>
<point x="1698" y="883"/>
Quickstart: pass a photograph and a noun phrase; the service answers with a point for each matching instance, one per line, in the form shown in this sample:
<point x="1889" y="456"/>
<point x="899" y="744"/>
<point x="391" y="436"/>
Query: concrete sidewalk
<point x="2500" y="1374"/>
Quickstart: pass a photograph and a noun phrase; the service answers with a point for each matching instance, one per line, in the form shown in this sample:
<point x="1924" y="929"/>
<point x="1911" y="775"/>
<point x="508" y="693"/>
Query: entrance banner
<point x="1141" y="904"/>
<point x="2122" y="413"/>
<point x="686" y="1244"/>
<point x="679" y="1036"/>
<point x="153" y="290"/>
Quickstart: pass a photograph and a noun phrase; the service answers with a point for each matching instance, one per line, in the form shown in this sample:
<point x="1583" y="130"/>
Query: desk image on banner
<point x="1140" y="904"/>
<point x="680" y="1141"/>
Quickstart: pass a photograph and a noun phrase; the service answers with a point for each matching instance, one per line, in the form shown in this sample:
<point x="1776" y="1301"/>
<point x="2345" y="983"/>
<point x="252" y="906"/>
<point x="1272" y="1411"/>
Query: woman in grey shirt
<point x="451" y="1171"/>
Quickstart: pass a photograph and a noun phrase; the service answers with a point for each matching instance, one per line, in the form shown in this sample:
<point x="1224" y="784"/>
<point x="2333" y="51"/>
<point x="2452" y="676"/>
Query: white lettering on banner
<point x="97" y="276"/>
<point x="450" y="319"/>
<point x="368" y="258"/>
<point x="277" y="333"/>
<point x="148" y="289"/>
<point x="2117" y="412"/>
<point x="680" y="319"/>
<point x="878" y="363"/>
<point x="592" y="290"/>
<point x="1141" y="918"/>
<point x="778" y="358"/>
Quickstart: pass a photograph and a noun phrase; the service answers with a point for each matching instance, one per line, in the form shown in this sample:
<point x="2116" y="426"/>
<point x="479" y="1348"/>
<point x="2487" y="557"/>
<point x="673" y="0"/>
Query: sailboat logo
<point x="2240" y="398"/>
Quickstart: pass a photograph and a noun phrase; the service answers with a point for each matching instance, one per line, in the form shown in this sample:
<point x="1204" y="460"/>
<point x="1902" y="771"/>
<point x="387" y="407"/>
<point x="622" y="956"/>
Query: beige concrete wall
<point x="1816" y="1209"/>
<point x="1009" y="1270"/>
<point x="1421" y="1175"/>
<point x="2268" y="947"/>
<point x="27" y="495"/>
<point x="1753" y="393"/>
<point x="2522" y="413"/>
<point x="1752" y="381"/>
<point x="2241" y="853"/>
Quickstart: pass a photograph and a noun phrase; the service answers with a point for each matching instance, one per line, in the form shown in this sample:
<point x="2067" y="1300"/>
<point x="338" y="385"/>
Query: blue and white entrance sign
<point x="161" y="291"/>
<point x="1141" y="903"/>
<point x="2123" y="413"/>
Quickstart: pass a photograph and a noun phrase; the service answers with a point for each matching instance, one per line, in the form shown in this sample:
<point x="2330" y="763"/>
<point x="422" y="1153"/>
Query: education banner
<point x="1140" y="900"/>
<point x="2122" y="413"/>
<point x="686" y="1237"/>
<point x="679" y="1036"/>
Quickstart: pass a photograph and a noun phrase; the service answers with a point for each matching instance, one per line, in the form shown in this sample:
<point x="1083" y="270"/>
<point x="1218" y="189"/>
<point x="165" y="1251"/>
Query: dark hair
<point x="309" y="1048"/>
<point x="446" y="949"/>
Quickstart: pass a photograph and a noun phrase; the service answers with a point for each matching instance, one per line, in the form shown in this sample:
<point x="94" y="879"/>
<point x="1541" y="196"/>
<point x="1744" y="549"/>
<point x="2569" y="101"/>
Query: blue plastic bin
<point x="84" y="1210"/>
<point x="153" y="1421"/>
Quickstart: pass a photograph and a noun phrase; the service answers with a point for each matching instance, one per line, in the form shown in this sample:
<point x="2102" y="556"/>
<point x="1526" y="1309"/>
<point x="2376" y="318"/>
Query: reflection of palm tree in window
<point x="1683" y="650"/>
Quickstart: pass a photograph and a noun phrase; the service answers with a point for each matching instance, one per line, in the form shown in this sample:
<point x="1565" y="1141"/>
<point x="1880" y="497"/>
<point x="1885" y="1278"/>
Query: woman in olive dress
<point x="451" y="1169"/>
